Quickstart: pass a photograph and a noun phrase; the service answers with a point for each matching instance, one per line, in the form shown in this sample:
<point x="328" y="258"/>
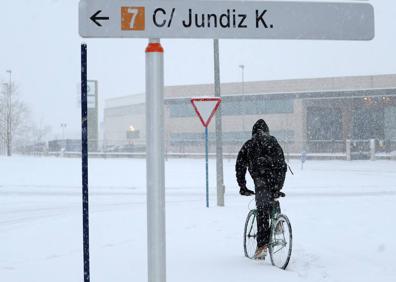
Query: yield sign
<point x="205" y="108"/>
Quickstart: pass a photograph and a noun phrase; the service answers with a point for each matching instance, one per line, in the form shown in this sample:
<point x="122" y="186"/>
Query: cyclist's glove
<point x="278" y="194"/>
<point x="245" y="191"/>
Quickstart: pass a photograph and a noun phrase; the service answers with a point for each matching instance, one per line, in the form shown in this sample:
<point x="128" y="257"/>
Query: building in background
<point x="313" y="115"/>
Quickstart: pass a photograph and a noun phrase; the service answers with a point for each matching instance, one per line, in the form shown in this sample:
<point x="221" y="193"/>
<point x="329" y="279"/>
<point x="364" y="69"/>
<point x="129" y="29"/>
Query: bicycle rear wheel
<point x="250" y="234"/>
<point x="280" y="247"/>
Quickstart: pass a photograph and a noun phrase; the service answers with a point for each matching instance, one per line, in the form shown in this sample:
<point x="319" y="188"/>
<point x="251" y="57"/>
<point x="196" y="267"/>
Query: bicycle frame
<point x="279" y="240"/>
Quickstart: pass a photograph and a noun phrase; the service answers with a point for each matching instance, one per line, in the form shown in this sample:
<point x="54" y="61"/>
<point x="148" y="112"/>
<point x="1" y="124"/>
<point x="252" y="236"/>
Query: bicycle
<point x="281" y="238"/>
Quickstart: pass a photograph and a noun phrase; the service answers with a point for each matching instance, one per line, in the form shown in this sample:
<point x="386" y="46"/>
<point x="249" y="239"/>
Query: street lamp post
<point x="9" y="72"/>
<point x="63" y="126"/>
<point x="219" y="130"/>
<point x="9" y="115"/>
<point x="4" y="143"/>
<point x="242" y="67"/>
<point x="9" y="89"/>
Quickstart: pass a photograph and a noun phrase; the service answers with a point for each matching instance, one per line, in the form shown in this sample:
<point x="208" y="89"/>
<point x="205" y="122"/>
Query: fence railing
<point x="339" y="149"/>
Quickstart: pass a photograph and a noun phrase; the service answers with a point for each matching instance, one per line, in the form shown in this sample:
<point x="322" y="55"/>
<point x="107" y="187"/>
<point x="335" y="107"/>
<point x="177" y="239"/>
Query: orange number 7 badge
<point x="132" y="18"/>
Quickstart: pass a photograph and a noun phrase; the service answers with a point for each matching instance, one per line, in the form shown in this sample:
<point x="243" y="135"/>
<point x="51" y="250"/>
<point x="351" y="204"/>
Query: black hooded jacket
<point x="263" y="157"/>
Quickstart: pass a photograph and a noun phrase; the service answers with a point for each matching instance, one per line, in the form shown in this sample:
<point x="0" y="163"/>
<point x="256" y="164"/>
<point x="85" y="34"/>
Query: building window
<point x="324" y="123"/>
<point x="181" y="109"/>
<point x="257" y="106"/>
<point x="368" y="122"/>
<point x="390" y="123"/>
<point x="236" y="106"/>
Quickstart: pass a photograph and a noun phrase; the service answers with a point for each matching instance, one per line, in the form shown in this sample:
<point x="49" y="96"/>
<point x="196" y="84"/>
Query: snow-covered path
<point x="341" y="212"/>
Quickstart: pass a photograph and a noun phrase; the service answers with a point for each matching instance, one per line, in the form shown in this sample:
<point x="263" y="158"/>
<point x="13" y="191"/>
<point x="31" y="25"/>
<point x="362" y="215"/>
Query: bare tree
<point x="39" y="131"/>
<point x="13" y="113"/>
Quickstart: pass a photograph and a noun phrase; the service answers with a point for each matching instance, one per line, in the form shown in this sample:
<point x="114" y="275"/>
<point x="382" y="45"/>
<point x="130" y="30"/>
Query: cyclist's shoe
<point x="261" y="253"/>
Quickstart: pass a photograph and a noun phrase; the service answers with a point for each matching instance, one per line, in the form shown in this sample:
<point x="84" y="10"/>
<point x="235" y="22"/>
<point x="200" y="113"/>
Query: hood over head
<point x="260" y="125"/>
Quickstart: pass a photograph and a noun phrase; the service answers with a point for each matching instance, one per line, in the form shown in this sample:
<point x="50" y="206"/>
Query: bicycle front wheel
<point x="250" y="234"/>
<point x="280" y="247"/>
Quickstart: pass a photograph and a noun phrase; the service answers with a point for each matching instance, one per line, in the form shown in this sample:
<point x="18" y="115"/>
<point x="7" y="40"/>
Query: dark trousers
<point x="263" y="199"/>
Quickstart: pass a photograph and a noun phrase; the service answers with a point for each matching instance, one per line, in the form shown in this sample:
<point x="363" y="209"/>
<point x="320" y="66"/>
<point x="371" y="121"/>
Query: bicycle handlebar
<point x="279" y="194"/>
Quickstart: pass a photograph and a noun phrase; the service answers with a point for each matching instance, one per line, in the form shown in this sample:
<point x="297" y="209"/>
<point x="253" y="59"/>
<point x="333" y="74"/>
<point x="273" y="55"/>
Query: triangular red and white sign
<point x="205" y="108"/>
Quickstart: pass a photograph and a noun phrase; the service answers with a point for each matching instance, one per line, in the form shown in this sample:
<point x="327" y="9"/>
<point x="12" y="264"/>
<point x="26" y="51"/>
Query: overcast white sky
<point x="41" y="45"/>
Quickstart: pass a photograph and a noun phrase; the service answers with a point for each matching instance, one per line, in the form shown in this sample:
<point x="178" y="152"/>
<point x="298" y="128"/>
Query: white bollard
<point x="372" y="149"/>
<point x="348" y="149"/>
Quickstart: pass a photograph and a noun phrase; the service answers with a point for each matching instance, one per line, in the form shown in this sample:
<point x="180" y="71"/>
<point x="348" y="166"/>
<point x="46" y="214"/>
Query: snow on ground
<point x="341" y="213"/>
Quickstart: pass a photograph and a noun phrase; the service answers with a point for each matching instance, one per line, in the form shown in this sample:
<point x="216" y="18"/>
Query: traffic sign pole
<point x="155" y="162"/>
<point x="205" y="109"/>
<point x="84" y="160"/>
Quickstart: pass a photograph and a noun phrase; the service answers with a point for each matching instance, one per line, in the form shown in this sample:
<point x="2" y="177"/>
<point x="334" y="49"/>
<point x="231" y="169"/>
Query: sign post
<point x="155" y="165"/>
<point x="84" y="161"/>
<point x="219" y="132"/>
<point x="205" y="109"/>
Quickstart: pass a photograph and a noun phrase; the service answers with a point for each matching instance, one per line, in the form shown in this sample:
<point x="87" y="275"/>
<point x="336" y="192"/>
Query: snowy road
<point x="341" y="214"/>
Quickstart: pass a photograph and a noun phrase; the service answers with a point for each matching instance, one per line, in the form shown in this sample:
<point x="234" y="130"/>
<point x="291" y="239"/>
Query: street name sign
<point x="226" y="19"/>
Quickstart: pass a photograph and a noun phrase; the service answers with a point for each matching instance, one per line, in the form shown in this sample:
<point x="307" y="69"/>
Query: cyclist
<point x="263" y="157"/>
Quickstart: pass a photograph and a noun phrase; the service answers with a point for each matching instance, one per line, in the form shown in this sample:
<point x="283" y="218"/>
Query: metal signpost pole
<point x="219" y="132"/>
<point x="207" y="166"/>
<point x="84" y="157"/>
<point x="155" y="162"/>
<point x="205" y="115"/>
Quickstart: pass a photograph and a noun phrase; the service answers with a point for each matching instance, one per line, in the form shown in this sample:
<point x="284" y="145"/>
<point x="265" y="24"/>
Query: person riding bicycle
<point x="263" y="157"/>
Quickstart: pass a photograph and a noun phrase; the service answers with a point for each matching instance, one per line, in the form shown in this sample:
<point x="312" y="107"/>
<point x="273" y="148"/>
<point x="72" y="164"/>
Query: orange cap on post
<point x="154" y="48"/>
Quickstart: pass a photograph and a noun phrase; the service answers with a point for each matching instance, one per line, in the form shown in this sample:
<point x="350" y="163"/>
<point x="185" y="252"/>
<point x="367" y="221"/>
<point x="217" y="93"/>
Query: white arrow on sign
<point x="205" y="108"/>
<point x="226" y="19"/>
